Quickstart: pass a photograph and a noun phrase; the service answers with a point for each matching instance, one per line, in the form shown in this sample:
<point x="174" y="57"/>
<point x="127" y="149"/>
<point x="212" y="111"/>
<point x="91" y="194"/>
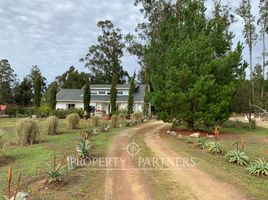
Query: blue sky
<point x="55" y="34"/>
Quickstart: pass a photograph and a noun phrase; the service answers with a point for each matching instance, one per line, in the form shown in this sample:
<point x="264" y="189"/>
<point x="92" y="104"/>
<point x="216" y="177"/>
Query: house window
<point x="120" y="92"/>
<point x="102" y="92"/>
<point x="94" y="92"/>
<point x="70" y="106"/>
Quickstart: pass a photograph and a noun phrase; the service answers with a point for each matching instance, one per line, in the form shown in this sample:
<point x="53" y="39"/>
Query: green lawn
<point x="256" y="146"/>
<point x="32" y="161"/>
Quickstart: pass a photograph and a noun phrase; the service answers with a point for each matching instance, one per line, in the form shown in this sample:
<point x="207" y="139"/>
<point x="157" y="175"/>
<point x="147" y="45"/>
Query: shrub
<point x="95" y="121"/>
<point x="175" y="123"/>
<point x="215" y="147"/>
<point x="136" y="117"/>
<point x="43" y="111"/>
<point x="83" y="148"/>
<point x="114" y="120"/>
<point x="52" y="125"/>
<point x="202" y="143"/>
<point x="258" y="167"/>
<point x="238" y="124"/>
<point x="62" y="114"/>
<point x="73" y="120"/>
<point x="122" y="117"/>
<point x="54" y="173"/>
<point x="27" y="131"/>
<point x="237" y="157"/>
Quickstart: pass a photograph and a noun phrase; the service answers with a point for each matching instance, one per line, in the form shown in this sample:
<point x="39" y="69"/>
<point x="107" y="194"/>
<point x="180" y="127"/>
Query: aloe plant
<point x="83" y="148"/>
<point x="258" y="167"/>
<point x="55" y="173"/>
<point x="237" y="157"/>
<point x="202" y="143"/>
<point x="215" y="147"/>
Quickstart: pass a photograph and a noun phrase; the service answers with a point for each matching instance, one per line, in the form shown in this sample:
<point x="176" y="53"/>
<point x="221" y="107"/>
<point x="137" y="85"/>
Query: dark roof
<point x="77" y="94"/>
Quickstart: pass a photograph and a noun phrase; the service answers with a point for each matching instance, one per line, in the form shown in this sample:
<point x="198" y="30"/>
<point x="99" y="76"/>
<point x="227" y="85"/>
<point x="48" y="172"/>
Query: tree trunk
<point x="190" y="125"/>
<point x="263" y="64"/>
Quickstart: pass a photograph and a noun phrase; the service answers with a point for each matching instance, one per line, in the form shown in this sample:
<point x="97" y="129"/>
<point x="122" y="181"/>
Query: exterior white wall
<point x="99" y="106"/>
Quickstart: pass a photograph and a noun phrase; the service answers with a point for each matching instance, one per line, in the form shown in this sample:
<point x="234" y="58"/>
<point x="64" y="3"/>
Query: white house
<point x="100" y="98"/>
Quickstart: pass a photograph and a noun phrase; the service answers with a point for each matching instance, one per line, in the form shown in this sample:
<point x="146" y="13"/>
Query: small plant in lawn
<point x="27" y="131"/>
<point x="104" y="126"/>
<point x="181" y="137"/>
<point x="202" y="143"/>
<point x="84" y="134"/>
<point x="258" y="167"/>
<point x="189" y="140"/>
<point x="237" y="157"/>
<point x="55" y="173"/>
<point x="95" y="121"/>
<point x="83" y="148"/>
<point x="114" y="120"/>
<point x="52" y="125"/>
<point x="215" y="147"/>
<point x="73" y="120"/>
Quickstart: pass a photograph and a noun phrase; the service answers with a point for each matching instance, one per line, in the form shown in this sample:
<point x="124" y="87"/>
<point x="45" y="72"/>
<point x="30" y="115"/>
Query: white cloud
<point x="56" y="34"/>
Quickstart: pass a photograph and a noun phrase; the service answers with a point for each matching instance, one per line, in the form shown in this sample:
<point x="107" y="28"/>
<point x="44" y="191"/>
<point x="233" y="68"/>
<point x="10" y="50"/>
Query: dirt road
<point x="124" y="183"/>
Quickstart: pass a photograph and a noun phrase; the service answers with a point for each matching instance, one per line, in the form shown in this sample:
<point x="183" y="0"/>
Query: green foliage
<point x="104" y="58"/>
<point x="114" y="120"/>
<point x="44" y="110"/>
<point x="7" y="78"/>
<point x="237" y="157"/>
<point x="23" y="93"/>
<point x="215" y="147"/>
<point x="62" y="114"/>
<point x="113" y="94"/>
<point x="83" y="148"/>
<point x="27" y="131"/>
<point x="191" y="67"/>
<point x="146" y="100"/>
<point x="258" y="167"/>
<point x="175" y="123"/>
<point x="202" y="143"/>
<point x="52" y="125"/>
<point x="86" y="97"/>
<point x="72" y="79"/>
<point x="73" y="120"/>
<point x="53" y="90"/>
<point x="95" y="121"/>
<point x="132" y="87"/>
<point x="38" y="82"/>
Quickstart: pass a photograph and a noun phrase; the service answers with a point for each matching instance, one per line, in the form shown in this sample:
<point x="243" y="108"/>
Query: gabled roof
<point x="77" y="94"/>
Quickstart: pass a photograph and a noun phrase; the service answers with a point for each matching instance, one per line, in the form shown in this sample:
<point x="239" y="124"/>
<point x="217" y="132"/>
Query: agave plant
<point x="238" y="157"/>
<point x="202" y="143"/>
<point x="215" y="147"/>
<point x="83" y="148"/>
<point x="55" y="173"/>
<point x="258" y="167"/>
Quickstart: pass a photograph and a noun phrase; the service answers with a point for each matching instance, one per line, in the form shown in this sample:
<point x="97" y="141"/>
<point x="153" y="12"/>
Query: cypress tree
<point x="37" y="91"/>
<point x="113" y="93"/>
<point x="53" y="96"/>
<point x="86" y="97"/>
<point x="130" y="104"/>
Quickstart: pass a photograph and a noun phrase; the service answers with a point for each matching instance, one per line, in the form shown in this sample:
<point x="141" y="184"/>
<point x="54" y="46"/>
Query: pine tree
<point x="132" y="88"/>
<point x="86" y="97"/>
<point x="113" y="93"/>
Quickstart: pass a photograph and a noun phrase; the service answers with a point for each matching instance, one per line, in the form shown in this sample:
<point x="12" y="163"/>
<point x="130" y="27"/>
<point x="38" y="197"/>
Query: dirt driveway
<point x="128" y="183"/>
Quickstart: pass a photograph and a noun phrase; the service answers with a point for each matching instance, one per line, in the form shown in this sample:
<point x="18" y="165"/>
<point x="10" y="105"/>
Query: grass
<point x="82" y="183"/>
<point x="255" y="147"/>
